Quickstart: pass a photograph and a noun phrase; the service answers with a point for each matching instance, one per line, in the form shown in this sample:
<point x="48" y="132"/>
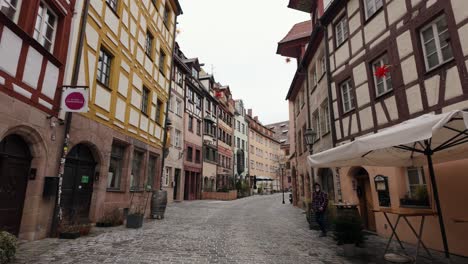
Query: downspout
<point x="166" y="115"/>
<point x="68" y="120"/>
<point x="309" y="125"/>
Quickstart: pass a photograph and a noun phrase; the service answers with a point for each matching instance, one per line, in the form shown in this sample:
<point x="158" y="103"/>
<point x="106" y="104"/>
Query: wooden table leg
<point x="393" y="232"/>
<point x="419" y="236"/>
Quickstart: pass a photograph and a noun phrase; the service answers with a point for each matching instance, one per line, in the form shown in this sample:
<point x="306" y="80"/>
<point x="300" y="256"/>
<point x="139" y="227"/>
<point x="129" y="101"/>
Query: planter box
<point x="414" y="203"/>
<point x="135" y="220"/>
<point x="223" y="196"/>
<point x="69" y="235"/>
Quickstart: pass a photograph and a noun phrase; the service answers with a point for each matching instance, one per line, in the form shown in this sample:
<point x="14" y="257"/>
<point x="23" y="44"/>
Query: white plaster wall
<point x="453" y="87"/>
<point x="408" y="68"/>
<point x="356" y="42"/>
<point x="92" y="37"/>
<point x="360" y="74"/>
<point x="392" y="109"/>
<point x="414" y="99"/>
<point x="432" y="86"/>
<point x="123" y="85"/>
<point x="362" y="95"/>
<point x="120" y="109"/>
<point x="32" y="67"/>
<point x="112" y="21"/>
<point x="365" y="115"/>
<point x="459" y="10"/>
<point x="134" y="117"/>
<point x="463" y="34"/>
<point x="375" y="28"/>
<point x="342" y="54"/>
<point x="395" y="10"/>
<point x="405" y="46"/>
<point x="49" y="85"/>
<point x="136" y="99"/>
<point x="381" y="118"/>
<point x="10" y="49"/>
<point x="103" y="98"/>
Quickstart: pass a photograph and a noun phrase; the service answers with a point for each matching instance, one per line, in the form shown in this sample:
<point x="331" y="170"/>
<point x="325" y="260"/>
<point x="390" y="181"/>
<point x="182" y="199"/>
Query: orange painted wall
<point x="452" y="181"/>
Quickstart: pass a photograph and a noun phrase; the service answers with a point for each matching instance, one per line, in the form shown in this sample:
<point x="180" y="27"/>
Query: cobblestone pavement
<point x="251" y="230"/>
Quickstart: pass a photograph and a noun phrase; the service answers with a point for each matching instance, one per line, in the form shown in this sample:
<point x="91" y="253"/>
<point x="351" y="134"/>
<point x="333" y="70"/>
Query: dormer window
<point x="194" y="73"/>
<point x="10" y="8"/>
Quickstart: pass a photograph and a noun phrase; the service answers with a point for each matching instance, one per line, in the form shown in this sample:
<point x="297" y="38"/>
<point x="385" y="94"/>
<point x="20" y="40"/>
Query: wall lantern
<point x="309" y="138"/>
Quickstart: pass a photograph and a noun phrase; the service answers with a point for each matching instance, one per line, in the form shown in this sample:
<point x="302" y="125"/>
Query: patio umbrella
<point x="424" y="140"/>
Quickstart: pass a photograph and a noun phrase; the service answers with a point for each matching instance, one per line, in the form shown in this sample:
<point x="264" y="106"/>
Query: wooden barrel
<point x="158" y="204"/>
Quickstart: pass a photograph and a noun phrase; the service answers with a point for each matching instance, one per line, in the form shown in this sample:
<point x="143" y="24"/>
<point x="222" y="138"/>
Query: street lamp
<point x="309" y="138"/>
<point x="282" y="181"/>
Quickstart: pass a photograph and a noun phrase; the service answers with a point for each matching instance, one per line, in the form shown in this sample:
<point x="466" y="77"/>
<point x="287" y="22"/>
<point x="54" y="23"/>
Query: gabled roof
<point x="298" y="31"/>
<point x="301" y="5"/>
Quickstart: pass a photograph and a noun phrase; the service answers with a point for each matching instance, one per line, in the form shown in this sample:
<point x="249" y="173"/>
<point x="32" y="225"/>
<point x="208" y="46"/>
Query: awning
<point x="420" y="141"/>
<point x="393" y="147"/>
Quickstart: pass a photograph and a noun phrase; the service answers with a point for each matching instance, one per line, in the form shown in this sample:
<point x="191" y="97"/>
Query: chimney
<point x="256" y="118"/>
<point x="249" y="112"/>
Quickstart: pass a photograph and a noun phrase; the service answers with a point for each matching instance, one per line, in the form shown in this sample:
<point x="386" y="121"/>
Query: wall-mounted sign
<point x="75" y="99"/>
<point x="84" y="179"/>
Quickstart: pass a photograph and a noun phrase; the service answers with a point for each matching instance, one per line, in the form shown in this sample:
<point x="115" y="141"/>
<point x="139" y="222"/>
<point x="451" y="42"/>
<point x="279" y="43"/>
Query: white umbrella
<point x="426" y="139"/>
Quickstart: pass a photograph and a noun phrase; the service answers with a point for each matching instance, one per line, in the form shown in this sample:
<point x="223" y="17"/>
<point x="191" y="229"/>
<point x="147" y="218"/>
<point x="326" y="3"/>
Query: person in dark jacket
<point x="319" y="205"/>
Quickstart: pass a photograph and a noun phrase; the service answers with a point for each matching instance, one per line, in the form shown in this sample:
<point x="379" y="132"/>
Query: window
<point x="9" y="8"/>
<point x="151" y="172"/>
<point x="347" y="96"/>
<point x="180" y="78"/>
<point x="167" y="13"/>
<point x="197" y="156"/>
<point x="177" y="138"/>
<point x="238" y="143"/>
<point x="113" y="4"/>
<point x="323" y="65"/>
<point x="325" y="121"/>
<point x="372" y="6"/>
<point x="190" y="95"/>
<point x="167" y="176"/>
<point x="243" y="129"/>
<point x="436" y="43"/>
<point x="114" y="174"/>
<point x="136" y="170"/>
<point x="416" y="181"/>
<point x="190" y="124"/>
<point x="341" y="31"/>
<point x="45" y="27"/>
<point x="238" y="126"/>
<point x="189" y="154"/>
<point x="162" y="61"/>
<point x="178" y="107"/>
<point x="104" y="67"/>
<point x="384" y="84"/>
<point x="314" y="78"/>
<point x="149" y="44"/>
<point x="198" y="127"/>
<point x="159" y="111"/>
<point x="144" y="101"/>
<point x="155" y="3"/>
<point x="194" y="73"/>
<point x="252" y="165"/>
<point x="243" y="144"/>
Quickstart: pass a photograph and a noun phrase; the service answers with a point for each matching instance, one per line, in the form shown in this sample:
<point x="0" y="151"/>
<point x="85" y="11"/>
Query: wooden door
<point x="176" y="183"/>
<point x="366" y="205"/>
<point x="77" y="186"/>
<point x="15" y="161"/>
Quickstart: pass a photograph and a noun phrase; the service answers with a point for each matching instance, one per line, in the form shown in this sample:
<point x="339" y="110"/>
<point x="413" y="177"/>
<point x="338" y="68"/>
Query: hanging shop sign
<point x="75" y="99"/>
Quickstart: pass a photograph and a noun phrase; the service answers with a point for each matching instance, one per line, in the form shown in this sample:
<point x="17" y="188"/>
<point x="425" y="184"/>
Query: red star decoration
<point x="218" y="94"/>
<point x="382" y="71"/>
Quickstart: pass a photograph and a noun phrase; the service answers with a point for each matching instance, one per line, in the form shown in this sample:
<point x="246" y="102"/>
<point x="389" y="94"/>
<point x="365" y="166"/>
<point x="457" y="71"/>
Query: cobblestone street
<point x="251" y="230"/>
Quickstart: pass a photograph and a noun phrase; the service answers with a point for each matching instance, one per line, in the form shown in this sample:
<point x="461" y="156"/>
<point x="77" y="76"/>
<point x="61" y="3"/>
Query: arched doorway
<point x="15" y="163"/>
<point x="364" y="194"/>
<point x="327" y="182"/>
<point x="77" y="186"/>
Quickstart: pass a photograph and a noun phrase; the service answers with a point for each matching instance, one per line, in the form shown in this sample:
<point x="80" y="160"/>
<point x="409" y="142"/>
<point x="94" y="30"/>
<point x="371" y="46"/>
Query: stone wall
<point x="223" y="196"/>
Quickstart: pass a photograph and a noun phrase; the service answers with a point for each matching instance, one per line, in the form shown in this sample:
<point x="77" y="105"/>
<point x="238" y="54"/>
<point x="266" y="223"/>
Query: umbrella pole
<point x="437" y="201"/>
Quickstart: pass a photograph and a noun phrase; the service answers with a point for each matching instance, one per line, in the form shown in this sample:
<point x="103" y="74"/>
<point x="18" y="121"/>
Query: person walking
<point x="319" y="205"/>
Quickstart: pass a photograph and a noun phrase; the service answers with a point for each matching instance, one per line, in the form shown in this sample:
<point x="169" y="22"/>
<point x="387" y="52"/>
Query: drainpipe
<point x="68" y="120"/>
<point x="309" y="123"/>
<point x="166" y="117"/>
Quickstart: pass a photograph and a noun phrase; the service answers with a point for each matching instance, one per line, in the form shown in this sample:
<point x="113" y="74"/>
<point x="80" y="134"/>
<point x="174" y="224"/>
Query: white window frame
<point x="17" y="8"/>
<point x="167" y="176"/>
<point x="43" y="24"/>
<point x="178" y="107"/>
<point x="421" y="176"/>
<point x="374" y="5"/>
<point x="316" y="124"/>
<point x="177" y="133"/>
<point x="349" y="94"/>
<point x="379" y="62"/>
<point x="341" y="31"/>
<point x="436" y="33"/>
<point x="323" y="65"/>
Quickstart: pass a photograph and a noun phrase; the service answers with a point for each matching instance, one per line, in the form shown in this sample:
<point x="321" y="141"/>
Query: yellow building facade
<point x="126" y="63"/>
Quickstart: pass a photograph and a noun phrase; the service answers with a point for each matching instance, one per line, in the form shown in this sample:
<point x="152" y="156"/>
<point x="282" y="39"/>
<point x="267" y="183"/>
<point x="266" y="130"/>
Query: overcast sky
<point x="239" y="38"/>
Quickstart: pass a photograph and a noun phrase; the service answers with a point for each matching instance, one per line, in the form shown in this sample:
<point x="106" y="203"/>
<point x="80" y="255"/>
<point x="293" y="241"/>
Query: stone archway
<point x="361" y="179"/>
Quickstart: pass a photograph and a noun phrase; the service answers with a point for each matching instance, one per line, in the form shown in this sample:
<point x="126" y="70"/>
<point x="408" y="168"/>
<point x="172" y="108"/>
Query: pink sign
<point x="75" y="101"/>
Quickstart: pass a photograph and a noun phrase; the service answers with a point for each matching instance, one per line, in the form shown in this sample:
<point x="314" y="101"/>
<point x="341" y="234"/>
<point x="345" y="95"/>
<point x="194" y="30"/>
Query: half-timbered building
<point x="193" y="141"/>
<point x="34" y="41"/>
<point x="424" y="46"/>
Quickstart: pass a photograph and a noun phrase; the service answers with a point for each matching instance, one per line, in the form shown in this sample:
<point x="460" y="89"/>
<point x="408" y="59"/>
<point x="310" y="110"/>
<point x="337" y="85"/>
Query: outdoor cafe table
<point x="405" y="214"/>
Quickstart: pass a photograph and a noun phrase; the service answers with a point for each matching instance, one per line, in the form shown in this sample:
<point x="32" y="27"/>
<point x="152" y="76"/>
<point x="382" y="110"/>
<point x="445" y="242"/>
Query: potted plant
<point x="348" y="233"/>
<point x="69" y="231"/>
<point x="420" y="198"/>
<point x="8" y="247"/>
<point x="137" y="210"/>
<point x="111" y="218"/>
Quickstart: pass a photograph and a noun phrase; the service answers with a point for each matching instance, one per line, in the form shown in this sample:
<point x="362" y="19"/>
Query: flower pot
<point x="69" y="235"/>
<point x="134" y="220"/>
<point x="349" y="250"/>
